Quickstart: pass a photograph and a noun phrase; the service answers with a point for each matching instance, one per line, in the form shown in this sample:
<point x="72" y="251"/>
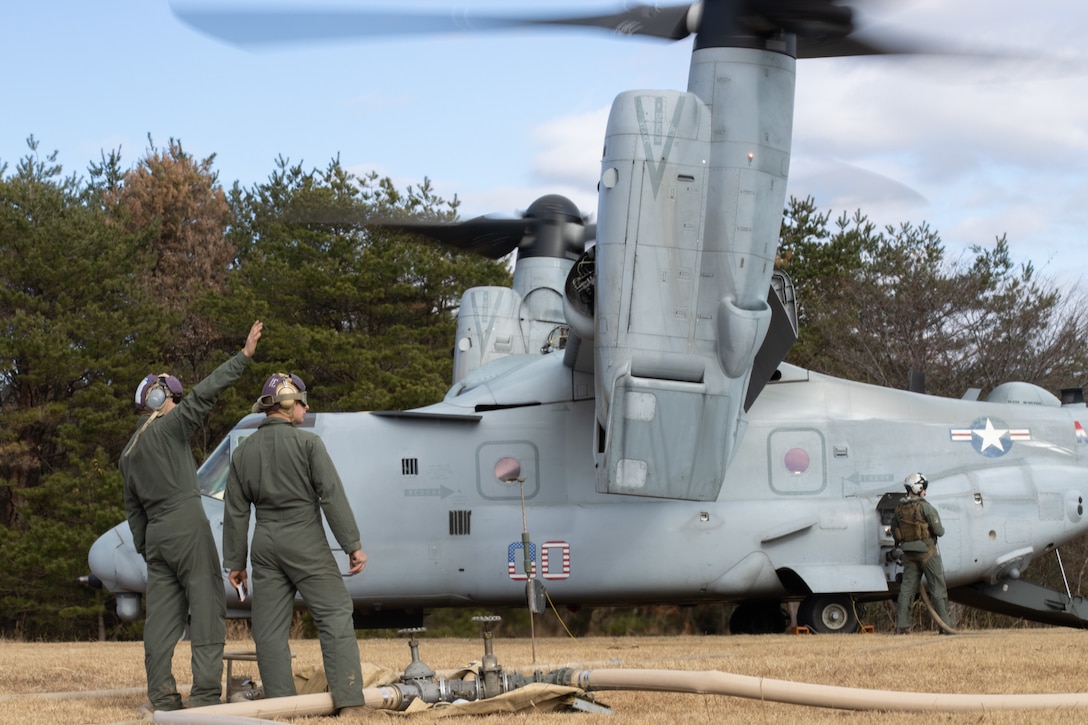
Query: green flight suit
<point x="287" y="475"/>
<point x="172" y="533"/>
<point x="920" y="555"/>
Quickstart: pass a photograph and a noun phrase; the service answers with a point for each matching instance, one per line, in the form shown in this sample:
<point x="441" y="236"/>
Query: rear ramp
<point x="1018" y="598"/>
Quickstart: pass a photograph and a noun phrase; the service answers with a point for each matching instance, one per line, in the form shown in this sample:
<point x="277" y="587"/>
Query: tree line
<point x="121" y="271"/>
<point x="879" y="303"/>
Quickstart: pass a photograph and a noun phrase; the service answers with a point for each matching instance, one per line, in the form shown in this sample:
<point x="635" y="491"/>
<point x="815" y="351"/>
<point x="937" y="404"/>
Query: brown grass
<point x="993" y="661"/>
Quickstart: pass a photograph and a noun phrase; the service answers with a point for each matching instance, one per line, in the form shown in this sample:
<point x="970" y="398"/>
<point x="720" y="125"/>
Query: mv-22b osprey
<point x="622" y="429"/>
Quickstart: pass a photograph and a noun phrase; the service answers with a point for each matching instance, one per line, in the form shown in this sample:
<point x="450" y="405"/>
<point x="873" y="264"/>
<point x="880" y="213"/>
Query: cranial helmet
<point x="915" y="483"/>
<point x="280" y="392"/>
<point x="154" y="390"/>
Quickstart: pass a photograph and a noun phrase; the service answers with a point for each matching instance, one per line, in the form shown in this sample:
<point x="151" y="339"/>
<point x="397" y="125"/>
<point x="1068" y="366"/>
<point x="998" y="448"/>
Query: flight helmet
<point x="915" y="483"/>
<point x="154" y="390"/>
<point x="280" y="392"/>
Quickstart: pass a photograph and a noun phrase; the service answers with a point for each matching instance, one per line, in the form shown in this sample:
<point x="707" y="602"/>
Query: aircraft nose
<point x="113" y="559"/>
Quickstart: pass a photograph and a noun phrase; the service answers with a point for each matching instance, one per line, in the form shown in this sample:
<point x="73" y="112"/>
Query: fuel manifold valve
<point x="416" y="670"/>
<point x="490" y="669"/>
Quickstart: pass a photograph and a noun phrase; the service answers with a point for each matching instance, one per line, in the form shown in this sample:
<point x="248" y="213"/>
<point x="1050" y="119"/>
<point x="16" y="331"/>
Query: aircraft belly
<point x="642" y="550"/>
<point x="584" y="555"/>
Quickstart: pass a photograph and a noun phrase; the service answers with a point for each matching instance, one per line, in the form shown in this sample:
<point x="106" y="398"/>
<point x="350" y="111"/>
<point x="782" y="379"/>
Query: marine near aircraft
<point x="626" y="401"/>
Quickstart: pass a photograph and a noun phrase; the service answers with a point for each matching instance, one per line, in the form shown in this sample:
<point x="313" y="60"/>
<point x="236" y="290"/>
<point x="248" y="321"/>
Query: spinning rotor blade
<point x="809" y="28"/>
<point x="248" y="26"/>
<point x="802" y="28"/>
<point x="491" y="238"/>
<point x="552" y="227"/>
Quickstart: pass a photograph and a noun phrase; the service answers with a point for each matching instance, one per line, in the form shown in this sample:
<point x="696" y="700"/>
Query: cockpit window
<point x="212" y="475"/>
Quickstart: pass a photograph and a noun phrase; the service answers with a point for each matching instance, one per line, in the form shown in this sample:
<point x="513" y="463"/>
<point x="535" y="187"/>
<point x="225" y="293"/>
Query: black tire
<point x="829" y="614"/>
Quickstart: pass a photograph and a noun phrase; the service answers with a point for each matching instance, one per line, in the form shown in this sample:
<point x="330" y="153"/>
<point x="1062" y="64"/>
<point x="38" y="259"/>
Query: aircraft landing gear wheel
<point x="828" y="614"/>
<point x="758" y="617"/>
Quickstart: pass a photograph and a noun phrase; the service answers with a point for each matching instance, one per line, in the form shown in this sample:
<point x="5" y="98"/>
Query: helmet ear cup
<point x="280" y="393"/>
<point x="289" y="387"/>
<point x="156" y="398"/>
<point x="154" y="390"/>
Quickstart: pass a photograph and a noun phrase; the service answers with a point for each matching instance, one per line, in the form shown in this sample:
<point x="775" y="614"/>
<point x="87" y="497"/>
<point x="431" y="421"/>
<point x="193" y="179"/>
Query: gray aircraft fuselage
<point x="797" y="513"/>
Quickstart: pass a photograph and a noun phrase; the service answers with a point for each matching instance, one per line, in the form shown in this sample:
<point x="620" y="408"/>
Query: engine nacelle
<point x="488" y="327"/>
<point x="689" y="216"/>
<point x="494" y="322"/>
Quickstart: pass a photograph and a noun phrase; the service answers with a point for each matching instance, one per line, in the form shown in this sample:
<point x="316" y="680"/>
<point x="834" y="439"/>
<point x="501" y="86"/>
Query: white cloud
<point x="567" y="149"/>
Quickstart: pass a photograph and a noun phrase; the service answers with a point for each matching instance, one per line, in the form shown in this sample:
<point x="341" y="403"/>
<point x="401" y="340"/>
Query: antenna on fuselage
<point x="509" y="471"/>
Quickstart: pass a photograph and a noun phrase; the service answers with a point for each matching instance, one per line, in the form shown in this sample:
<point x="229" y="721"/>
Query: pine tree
<point x="74" y="325"/>
<point x="366" y="317"/>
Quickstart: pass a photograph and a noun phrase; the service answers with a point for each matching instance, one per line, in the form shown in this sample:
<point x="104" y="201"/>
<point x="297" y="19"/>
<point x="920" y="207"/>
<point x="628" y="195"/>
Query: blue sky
<point x="974" y="149"/>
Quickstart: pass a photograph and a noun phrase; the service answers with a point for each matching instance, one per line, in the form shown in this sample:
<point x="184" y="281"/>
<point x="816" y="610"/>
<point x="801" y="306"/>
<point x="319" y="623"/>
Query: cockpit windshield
<point x="212" y="475"/>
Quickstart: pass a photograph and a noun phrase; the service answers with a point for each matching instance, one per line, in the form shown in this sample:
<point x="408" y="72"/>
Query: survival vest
<point x="910" y="524"/>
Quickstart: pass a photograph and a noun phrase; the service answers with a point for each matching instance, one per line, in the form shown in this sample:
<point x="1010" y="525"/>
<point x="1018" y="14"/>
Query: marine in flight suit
<point x="917" y="527"/>
<point x="288" y="478"/>
<point x="171" y="531"/>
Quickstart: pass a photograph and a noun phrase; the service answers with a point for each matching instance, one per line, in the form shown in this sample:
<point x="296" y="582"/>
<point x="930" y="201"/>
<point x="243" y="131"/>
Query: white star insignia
<point x="990" y="436"/>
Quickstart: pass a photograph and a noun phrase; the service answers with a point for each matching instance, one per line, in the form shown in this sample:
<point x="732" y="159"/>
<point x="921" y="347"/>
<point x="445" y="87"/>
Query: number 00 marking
<point x="554" y="560"/>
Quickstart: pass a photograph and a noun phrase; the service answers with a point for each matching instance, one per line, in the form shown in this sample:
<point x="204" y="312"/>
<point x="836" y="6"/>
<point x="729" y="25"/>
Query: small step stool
<point x="241" y="656"/>
<point x="799" y="629"/>
<point x="229" y="658"/>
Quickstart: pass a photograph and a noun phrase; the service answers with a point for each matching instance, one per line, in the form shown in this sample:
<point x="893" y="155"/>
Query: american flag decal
<point x="555" y="550"/>
<point x="515" y="560"/>
<point x="1078" y="429"/>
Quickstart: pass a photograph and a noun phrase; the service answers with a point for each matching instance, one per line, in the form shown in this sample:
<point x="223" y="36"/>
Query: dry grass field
<point x="991" y="661"/>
